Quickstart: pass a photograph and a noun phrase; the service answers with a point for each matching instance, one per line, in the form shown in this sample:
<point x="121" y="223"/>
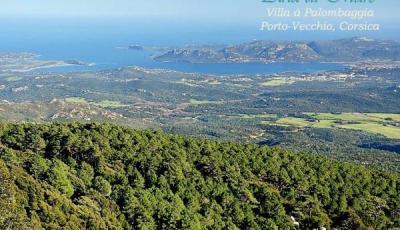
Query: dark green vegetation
<point x="249" y="109"/>
<point x="91" y="176"/>
<point x="342" y="50"/>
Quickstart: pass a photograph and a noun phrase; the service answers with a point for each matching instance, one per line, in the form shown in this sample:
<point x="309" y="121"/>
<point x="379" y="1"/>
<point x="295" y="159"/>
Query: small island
<point x="136" y="47"/>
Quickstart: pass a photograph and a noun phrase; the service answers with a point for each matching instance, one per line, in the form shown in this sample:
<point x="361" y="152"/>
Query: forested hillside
<point x="93" y="176"/>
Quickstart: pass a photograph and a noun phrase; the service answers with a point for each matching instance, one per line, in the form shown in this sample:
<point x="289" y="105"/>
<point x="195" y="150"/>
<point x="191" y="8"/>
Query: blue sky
<point x="225" y="10"/>
<point x="191" y="9"/>
<point x="237" y="18"/>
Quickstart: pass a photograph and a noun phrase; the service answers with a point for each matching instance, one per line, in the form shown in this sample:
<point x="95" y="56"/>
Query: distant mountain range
<point x="342" y="50"/>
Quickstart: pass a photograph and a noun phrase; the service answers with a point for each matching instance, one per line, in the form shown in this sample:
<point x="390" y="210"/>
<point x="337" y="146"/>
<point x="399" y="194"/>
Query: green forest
<point x="103" y="176"/>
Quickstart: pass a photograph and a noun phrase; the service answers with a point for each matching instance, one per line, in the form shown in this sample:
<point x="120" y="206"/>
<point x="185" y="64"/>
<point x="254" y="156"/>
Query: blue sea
<point x="102" y="42"/>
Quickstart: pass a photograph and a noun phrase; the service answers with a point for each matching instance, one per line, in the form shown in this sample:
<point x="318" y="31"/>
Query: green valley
<point x="387" y="125"/>
<point x="309" y="112"/>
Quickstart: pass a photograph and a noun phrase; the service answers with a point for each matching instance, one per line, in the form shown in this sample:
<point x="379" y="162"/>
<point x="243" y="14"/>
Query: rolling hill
<point x="342" y="50"/>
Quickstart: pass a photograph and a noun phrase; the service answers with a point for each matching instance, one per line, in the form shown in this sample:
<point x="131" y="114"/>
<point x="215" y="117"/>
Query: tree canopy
<point x="102" y="176"/>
